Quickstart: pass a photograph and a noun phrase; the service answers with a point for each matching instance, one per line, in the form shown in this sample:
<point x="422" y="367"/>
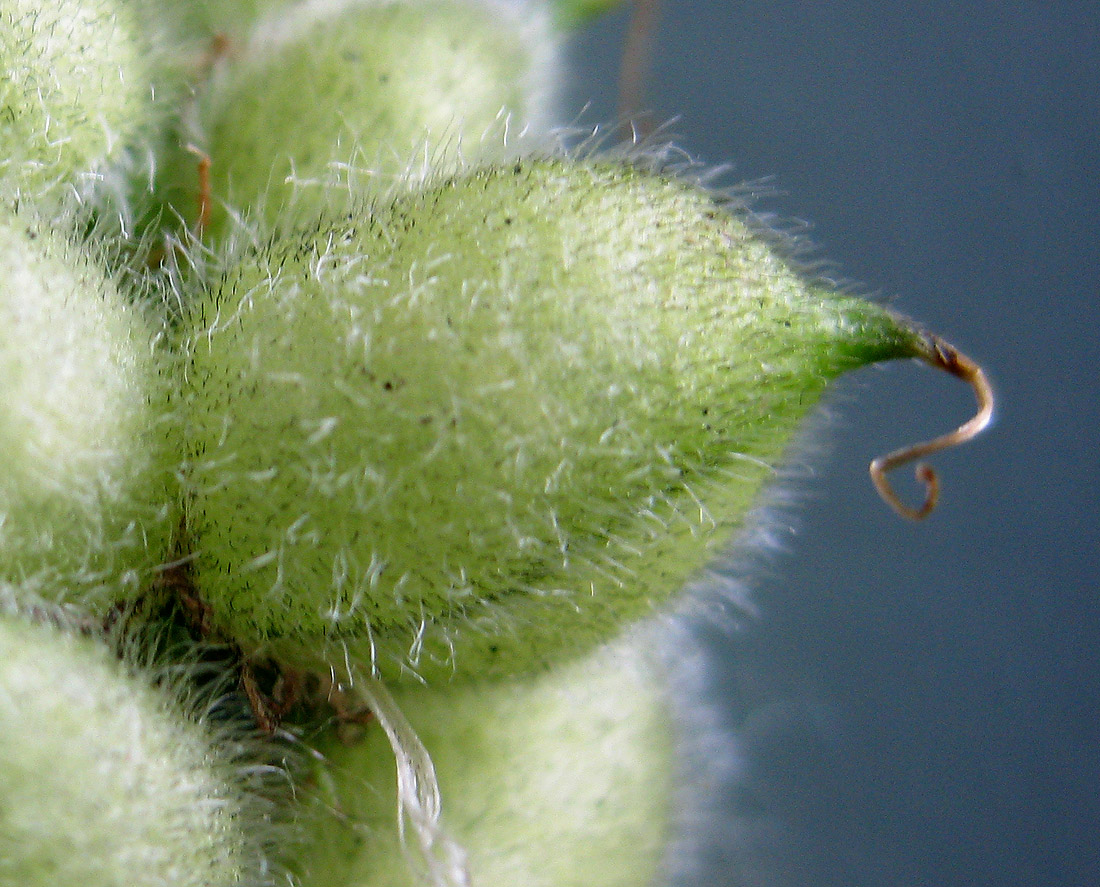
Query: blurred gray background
<point x="914" y="704"/>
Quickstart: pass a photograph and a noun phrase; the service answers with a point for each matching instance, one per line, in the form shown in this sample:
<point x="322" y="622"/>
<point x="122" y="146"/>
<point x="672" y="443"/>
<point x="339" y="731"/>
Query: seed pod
<point x="87" y="491"/>
<point x="105" y="782"/>
<point x="77" y="88"/>
<point x="484" y="427"/>
<point x="359" y="95"/>
<point x="563" y="778"/>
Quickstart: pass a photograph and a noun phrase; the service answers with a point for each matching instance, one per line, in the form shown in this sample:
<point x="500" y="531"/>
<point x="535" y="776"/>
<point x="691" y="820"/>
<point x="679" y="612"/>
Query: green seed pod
<point x="76" y="88"/>
<point x="87" y="484"/>
<point x="361" y="94"/>
<point x="104" y="781"/>
<point x="483" y="428"/>
<point x="566" y="778"/>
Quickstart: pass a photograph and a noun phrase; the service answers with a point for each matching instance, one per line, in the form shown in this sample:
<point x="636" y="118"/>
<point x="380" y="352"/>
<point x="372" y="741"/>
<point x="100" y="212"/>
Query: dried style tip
<point x="939" y="354"/>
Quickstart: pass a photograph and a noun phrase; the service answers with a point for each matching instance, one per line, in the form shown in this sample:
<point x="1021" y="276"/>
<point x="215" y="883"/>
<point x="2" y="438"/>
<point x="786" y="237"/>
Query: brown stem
<point x="205" y="196"/>
<point x="636" y="57"/>
<point x="941" y="355"/>
<point x="272" y="690"/>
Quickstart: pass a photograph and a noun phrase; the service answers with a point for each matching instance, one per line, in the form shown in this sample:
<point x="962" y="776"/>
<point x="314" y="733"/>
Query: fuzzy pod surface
<point x="76" y="88"/>
<point x="103" y="781"/>
<point x="560" y="780"/>
<point x="362" y="94"/>
<point x="87" y="487"/>
<point x="482" y="428"/>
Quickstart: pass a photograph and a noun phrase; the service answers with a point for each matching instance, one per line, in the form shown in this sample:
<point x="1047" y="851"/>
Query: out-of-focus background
<point x="914" y="704"/>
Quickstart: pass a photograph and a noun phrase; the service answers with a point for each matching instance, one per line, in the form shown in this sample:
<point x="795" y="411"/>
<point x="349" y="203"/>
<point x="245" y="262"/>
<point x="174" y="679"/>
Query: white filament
<point x="418" y="799"/>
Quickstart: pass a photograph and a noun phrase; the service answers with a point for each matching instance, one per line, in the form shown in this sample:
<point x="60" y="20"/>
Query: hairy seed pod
<point x="104" y="781"/>
<point x="483" y="427"/>
<point x="87" y="492"/>
<point x="77" y="88"/>
<point x="327" y="97"/>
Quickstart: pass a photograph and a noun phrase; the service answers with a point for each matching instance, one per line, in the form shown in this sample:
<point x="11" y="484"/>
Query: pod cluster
<point x="341" y="396"/>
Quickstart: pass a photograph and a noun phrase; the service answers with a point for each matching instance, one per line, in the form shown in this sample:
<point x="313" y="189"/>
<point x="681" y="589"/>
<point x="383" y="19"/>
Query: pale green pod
<point x="479" y="430"/>
<point x="561" y="780"/>
<point x="361" y="94"/>
<point x="77" y="88"/>
<point x="87" y="487"/>
<point x="104" y="782"/>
